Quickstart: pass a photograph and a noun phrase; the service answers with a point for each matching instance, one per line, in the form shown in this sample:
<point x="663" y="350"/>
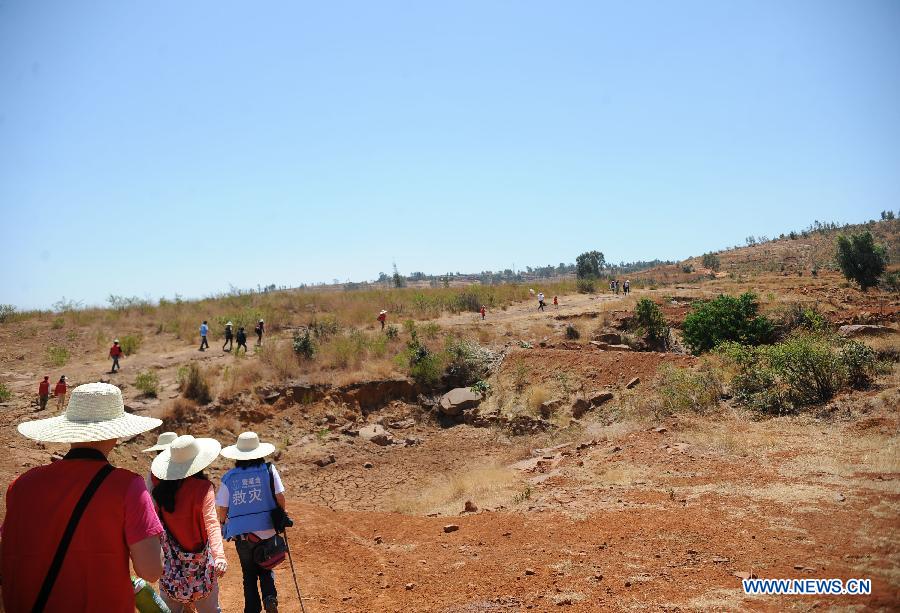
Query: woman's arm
<point x="213" y="527"/>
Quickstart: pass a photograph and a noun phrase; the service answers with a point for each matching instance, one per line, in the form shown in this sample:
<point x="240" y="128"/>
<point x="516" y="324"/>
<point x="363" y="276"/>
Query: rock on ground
<point x="458" y="400"/>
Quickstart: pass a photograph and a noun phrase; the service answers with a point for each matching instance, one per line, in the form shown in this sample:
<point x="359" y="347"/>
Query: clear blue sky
<point x="149" y="148"/>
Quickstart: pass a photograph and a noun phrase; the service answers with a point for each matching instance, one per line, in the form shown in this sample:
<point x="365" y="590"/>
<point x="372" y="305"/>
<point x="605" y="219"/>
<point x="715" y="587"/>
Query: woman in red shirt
<point x="192" y="547"/>
<point x="60" y="392"/>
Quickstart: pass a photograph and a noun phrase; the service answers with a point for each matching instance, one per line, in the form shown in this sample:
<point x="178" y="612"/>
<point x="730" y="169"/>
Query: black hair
<point x="249" y="463"/>
<point x="165" y="491"/>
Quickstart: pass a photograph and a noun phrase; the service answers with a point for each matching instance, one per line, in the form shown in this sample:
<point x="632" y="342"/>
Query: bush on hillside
<point x="572" y="332"/>
<point x="324" y="328"/>
<point x="649" y="318"/>
<point x="805" y="369"/>
<point x="861" y="259"/>
<point x="726" y="318"/>
<point x="304" y="345"/>
<point x="685" y="390"/>
<point x="148" y="383"/>
<point x="805" y="317"/>
<point x="7" y="313"/>
<point x="194" y="385"/>
<point x="586" y="286"/>
<point x="5" y="393"/>
<point x="57" y="356"/>
<point x="130" y="344"/>
<point x="711" y="261"/>
<point x="861" y="362"/>
<point x="468" y="362"/>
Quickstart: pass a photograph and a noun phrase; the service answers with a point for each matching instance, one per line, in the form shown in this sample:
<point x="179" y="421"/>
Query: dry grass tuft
<point x="486" y="486"/>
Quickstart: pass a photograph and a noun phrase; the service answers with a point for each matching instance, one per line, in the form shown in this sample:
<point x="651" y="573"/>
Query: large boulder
<point x="376" y="434"/>
<point x="457" y="400"/>
<point x="862" y="330"/>
<point x="610" y="338"/>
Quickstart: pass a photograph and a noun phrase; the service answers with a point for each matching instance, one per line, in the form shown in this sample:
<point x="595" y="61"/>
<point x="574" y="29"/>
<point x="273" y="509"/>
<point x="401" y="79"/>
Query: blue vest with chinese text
<point x="250" y="500"/>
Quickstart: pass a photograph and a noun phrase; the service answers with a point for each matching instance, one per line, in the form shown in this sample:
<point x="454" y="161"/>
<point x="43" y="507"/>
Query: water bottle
<point x="146" y="600"/>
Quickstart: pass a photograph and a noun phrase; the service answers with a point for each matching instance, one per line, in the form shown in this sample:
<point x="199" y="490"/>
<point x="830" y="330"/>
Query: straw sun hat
<point x="186" y="456"/>
<point x="95" y="413"/>
<point x="248" y="447"/>
<point x="162" y="442"/>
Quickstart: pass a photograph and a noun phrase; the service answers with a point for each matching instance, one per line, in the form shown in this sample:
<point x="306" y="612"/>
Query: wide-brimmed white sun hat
<point x="162" y="442"/>
<point x="248" y="447"/>
<point x="383" y="312"/>
<point x="186" y="456"/>
<point x="229" y="324"/>
<point x="95" y="412"/>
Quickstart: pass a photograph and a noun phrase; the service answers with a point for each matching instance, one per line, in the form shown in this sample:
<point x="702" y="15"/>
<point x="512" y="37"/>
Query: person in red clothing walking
<point x="483" y="311"/>
<point x="118" y="522"/>
<point x="382" y="317"/>
<point x="44" y="392"/>
<point x="556" y="301"/>
<point x="192" y="546"/>
<point x="115" y="352"/>
<point x="60" y="392"/>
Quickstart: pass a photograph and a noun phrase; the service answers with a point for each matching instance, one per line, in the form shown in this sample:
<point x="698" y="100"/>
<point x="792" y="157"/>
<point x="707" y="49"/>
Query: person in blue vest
<point x="245" y="501"/>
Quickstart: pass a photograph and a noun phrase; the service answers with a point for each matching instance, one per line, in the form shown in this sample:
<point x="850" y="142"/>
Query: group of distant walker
<point x="542" y="300"/>
<point x="625" y="287"/>
<point x="73" y="527"/>
<point x="230" y="336"/>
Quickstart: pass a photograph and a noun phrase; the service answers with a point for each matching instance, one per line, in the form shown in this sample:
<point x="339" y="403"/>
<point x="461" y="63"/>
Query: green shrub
<point x="324" y="328"/>
<point x="426" y="370"/>
<point x="861" y="362"/>
<point x="572" y="332"/>
<point x="806" y="317"/>
<point x="57" y="356"/>
<point x="468" y="362"/>
<point x="392" y="332"/>
<point x="726" y="318"/>
<point x="57" y="323"/>
<point x="586" y="286"/>
<point x="890" y="281"/>
<point x="304" y="345"/>
<point x="682" y="389"/>
<point x="711" y="261"/>
<point x="649" y="318"/>
<point x="809" y="367"/>
<point x="861" y="259"/>
<point x="5" y="393"/>
<point x="805" y="369"/>
<point x="7" y="313"/>
<point x="181" y="376"/>
<point x="195" y="386"/>
<point x="148" y="383"/>
<point x="481" y="387"/>
<point x="130" y="343"/>
<point x="431" y="330"/>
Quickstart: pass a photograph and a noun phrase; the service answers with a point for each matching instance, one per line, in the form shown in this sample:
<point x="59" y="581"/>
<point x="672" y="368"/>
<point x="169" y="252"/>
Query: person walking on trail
<point x="540" y="301"/>
<point x="556" y="302"/>
<point x="626" y="287"/>
<point x="204" y="331"/>
<point x="192" y="546"/>
<point x="260" y="329"/>
<point x="162" y="443"/>
<point x="44" y="392"/>
<point x="382" y="317"/>
<point x="249" y="493"/>
<point x="241" y="341"/>
<point x="229" y="337"/>
<point x="483" y="311"/>
<point x="60" y="391"/>
<point x="616" y="286"/>
<point x="106" y="511"/>
<point x="115" y="352"/>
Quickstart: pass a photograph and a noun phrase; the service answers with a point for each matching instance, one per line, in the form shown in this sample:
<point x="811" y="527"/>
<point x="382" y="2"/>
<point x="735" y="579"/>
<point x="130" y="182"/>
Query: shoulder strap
<point x="271" y="480"/>
<point x="66" y="540"/>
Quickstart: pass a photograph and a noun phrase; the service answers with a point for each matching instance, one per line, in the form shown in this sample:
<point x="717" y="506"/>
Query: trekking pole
<point x="287" y="546"/>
